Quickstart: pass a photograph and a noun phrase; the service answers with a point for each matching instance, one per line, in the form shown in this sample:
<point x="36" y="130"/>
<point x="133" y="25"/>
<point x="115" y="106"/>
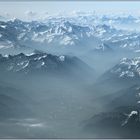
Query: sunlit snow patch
<point x="3" y="26"/>
<point x="129" y="116"/>
<point x="62" y="58"/>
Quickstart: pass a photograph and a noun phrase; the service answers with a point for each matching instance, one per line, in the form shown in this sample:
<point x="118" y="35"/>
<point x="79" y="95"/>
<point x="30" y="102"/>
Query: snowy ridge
<point x="133" y="114"/>
<point x="127" y="68"/>
<point x="30" y="62"/>
<point x="44" y="63"/>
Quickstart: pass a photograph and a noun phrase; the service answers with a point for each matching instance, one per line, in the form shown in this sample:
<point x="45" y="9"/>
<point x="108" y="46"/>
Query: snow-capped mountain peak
<point x="127" y="68"/>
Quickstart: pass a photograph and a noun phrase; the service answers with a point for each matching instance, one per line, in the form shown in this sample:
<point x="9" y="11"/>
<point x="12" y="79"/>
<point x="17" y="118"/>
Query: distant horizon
<point x="26" y="10"/>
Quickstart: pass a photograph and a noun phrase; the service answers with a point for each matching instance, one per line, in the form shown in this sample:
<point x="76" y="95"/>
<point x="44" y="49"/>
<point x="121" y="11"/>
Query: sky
<point x="26" y="9"/>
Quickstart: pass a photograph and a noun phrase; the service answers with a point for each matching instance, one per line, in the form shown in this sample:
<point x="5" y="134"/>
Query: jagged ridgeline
<point x="41" y="63"/>
<point x="71" y="34"/>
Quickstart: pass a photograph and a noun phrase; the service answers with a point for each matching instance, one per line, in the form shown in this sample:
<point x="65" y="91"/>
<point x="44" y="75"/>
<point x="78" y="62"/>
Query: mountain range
<point x="66" y="34"/>
<point x="71" y="70"/>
